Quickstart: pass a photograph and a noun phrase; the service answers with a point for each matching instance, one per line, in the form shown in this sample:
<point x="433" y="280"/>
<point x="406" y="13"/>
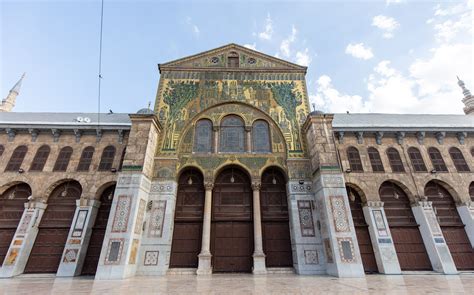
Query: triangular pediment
<point x="227" y="56"/>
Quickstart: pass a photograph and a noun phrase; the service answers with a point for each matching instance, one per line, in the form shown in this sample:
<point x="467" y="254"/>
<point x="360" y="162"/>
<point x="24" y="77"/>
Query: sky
<point x="391" y="56"/>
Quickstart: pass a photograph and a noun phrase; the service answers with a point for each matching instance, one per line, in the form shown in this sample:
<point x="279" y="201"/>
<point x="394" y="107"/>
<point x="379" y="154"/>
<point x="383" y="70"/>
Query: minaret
<point x="468" y="99"/>
<point x="9" y="102"/>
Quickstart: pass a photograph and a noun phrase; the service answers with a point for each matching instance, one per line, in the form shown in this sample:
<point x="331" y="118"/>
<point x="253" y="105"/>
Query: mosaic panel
<point x="311" y="257"/>
<point x="346" y="250"/>
<point x="327" y="248"/>
<point x="12" y="256"/>
<point x="433" y="223"/>
<point x="80" y="223"/>
<point x="140" y="216"/>
<point x="151" y="258"/>
<point x="70" y="255"/>
<point x="25" y="222"/>
<point x="155" y="229"/>
<point x="122" y="212"/>
<point x="306" y="219"/>
<point x="380" y="223"/>
<point x="114" y="251"/>
<point x="133" y="252"/>
<point x="341" y="223"/>
<point x="332" y="181"/>
<point x="161" y="187"/>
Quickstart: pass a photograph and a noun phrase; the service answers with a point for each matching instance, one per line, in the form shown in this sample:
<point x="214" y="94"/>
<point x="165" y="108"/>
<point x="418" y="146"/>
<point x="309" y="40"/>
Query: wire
<point x="100" y="61"/>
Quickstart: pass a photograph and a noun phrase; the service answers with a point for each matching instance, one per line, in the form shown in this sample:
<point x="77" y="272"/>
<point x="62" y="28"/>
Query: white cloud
<point x="251" y="46"/>
<point x="194" y="27"/>
<point x="452" y="21"/>
<point x="359" y="51"/>
<point x="268" y="32"/>
<point x="388" y="2"/>
<point x="387" y="24"/>
<point x="303" y="58"/>
<point x="285" y="44"/>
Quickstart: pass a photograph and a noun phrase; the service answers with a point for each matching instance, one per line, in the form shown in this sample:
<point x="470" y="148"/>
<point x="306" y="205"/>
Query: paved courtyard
<point x="243" y="284"/>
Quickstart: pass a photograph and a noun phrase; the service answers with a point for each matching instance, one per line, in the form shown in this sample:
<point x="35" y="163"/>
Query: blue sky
<point x="396" y="56"/>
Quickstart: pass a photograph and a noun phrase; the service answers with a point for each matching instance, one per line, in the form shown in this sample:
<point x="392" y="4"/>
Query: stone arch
<point x="447" y="187"/>
<point x="104" y="186"/>
<point x="283" y="171"/>
<point x="189" y="167"/>
<point x="412" y="197"/>
<point x="11" y="184"/>
<point x="47" y="193"/>
<point x="359" y="191"/>
<point x="240" y="166"/>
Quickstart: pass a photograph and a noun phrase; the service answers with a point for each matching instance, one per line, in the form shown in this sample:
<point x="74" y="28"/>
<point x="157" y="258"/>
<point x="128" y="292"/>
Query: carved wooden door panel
<point x="48" y="248"/>
<point x="98" y="232"/>
<point x="411" y="251"/>
<point x="362" y="232"/>
<point x="11" y="209"/>
<point x="275" y="220"/>
<point x="188" y="218"/>
<point x="451" y="225"/>
<point x="232" y="227"/>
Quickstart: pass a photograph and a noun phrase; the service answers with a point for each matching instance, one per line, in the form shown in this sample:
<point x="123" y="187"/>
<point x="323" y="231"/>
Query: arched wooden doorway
<point x="54" y="228"/>
<point x="411" y="251"/>
<point x="275" y="219"/>
<point x="11" y="209"/>
<point x="188" y="218"/>
<point x="451" y="225"/>
<point x="362" y="231"/>
<point x="98" y="232"/>
<point x="232" y="228"/>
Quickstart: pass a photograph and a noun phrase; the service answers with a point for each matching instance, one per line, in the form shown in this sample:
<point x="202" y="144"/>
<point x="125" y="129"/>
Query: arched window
<point x="86" y="159"/>
<point x="458" y="160"/>
<point x="395" y="160"/>
<point x="233" y="60"/>
<point x="203" y="136"/>
<point x="17" y="158"/>
<point x="107" y="159"/>
<point x="40" y="158"/>
<point x="261" y="137"/>
<point x="416" y="160"/>
<point x="63" y="159"/>
<point x="232" y="139"/>
<point x="375" y="160"/>
<point x="437" y="160"/>
<point x="2" y="149"/>
<point x="354" y="159"/>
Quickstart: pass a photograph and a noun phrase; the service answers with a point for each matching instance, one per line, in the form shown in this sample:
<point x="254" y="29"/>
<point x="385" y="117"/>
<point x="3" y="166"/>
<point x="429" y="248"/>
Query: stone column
<point x="78" y="238"/>
<point x="248" y="133"/>
<point x="258" y="255"/>
<point x="215" y="129"/>
<point x="205" y="267"/>
<point x="466" y="212"/>
<point x="435" y="244"/>
<point x="381" y="238"/>
<point x="23" y="240"/>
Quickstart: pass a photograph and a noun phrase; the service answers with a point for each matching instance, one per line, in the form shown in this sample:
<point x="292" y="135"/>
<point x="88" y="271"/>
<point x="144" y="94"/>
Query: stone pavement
<point x="243" y="284"/>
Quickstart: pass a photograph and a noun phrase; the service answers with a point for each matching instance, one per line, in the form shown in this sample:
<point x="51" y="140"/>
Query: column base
<point x="259" y="267"/>
<point x="205" y="267"/>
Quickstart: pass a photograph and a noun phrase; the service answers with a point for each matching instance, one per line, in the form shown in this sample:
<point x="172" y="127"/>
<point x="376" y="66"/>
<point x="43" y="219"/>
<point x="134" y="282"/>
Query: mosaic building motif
<point x="122" y="213"/>
<point x="155" y="230"/>
<point x="306" y="219"/>
<point x="341" y="222"/>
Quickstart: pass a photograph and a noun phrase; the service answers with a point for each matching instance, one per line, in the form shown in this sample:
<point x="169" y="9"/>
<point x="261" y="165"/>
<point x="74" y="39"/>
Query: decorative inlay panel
<point x="341" y="223"/>
<point x="155" y="230"/>
<point x="311" y="257"/>
<point x="346" y="250"/>
<point x="80" y="223"/>
<point x="433" y="223"/>
<point x="380" y="223"/>
<point x="332" y="181"/>
<point x="25" y="222"/>
<point x="306" y="219"/>
<point x="134" y="252"/>
<point x="70" y="255"/>
<point x="161" y="187"/>
<point x="140" y="216"/>
<point x="122" y="213"/>
<point x="151" y="258"/>
<point x="114" y="251"/>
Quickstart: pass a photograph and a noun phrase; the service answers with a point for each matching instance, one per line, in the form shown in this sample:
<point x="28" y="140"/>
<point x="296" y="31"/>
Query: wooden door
<point x="48" y="248"/>
<point x="98" y="232"/>
<point x="451" y="225"/>
<point x="188" y="218"/>
<point x="11" y="209"/>
<point x="275" y="220"/>
<point x="411" y="251"/>
<point x="232" y="227"/>
<point x="362" y="232"/>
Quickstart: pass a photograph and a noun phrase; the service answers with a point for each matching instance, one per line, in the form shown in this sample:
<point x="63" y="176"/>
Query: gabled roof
<point x="215" y="59"/>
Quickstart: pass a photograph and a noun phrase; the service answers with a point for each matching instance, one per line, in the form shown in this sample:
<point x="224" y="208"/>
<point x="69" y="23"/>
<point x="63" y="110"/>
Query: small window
<point x="354" y="159"/>
<point x="40" y="158"/>
<point x="261" y="137"/>
<point x="458" y="160"/>
<point x="375" y="160"/>
<point x="232" y="136"/>
<point x="107" y="159"/>
<point x="2" y="149"/>
<point x="86" y="159"/>
<point x="203" y="137"/>
<point x="437" y="160"/>
<point x="17" y="159"/>
<point x="417" y="160"/>
<point x="63" y="159"/>
<point x="233" y="60"/>
<point x="395" y="160"/>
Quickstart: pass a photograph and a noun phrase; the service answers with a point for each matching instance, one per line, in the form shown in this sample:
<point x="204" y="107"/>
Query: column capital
<point x="256" y="185"/>
<point x="374" y="204"/>
<point x="208" y="185"/>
